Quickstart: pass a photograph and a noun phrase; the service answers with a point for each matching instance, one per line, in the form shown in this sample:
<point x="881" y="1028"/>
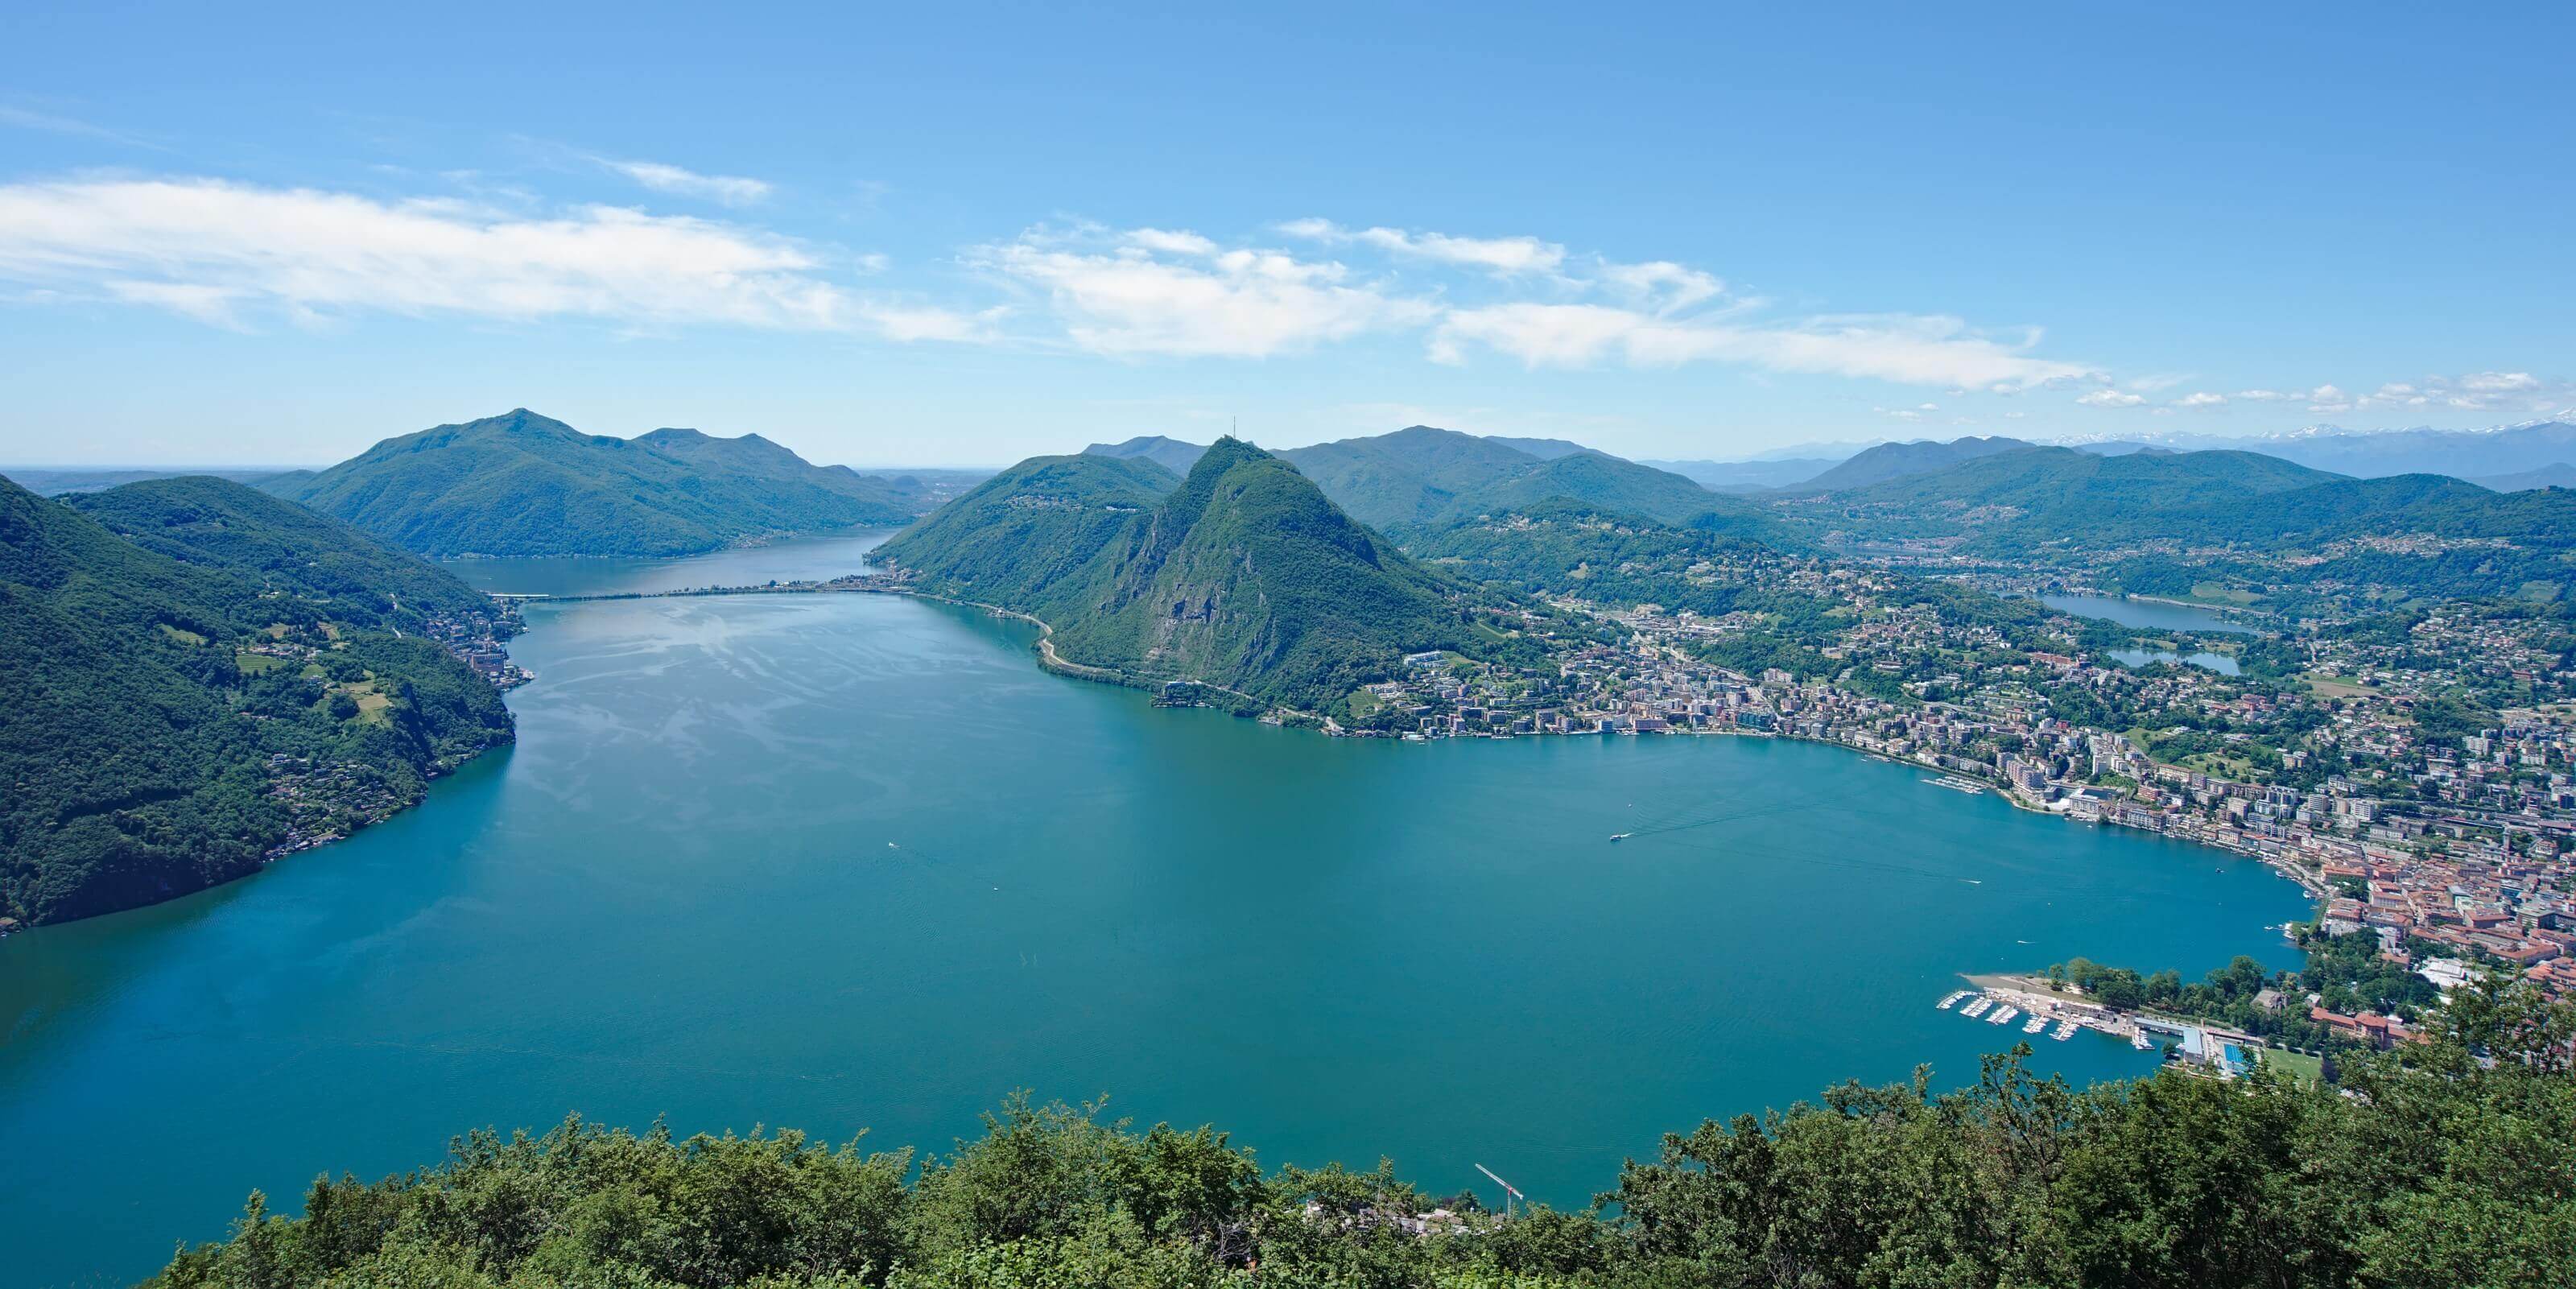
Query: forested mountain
<point x="1897" y="460"/>
<point x="2051" y="490"/>
<point x="1243" y="576"/>
<point x="1171" y="454"/>
<point x="1409" y="476"/>
<point x="1543" y="449"/>
<point x="283" y="548"/>
<point x="2021" y="502"/>
<point x="523" y="484"/>
<point x="1426" y="476"/>
<point x="175" y="705"/>
<point x="1026" y="536"/>
<point x="2446" y="1166"/>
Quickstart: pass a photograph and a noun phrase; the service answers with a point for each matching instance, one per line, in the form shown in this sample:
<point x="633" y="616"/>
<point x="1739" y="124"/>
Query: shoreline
<point x="1052" y="661"/>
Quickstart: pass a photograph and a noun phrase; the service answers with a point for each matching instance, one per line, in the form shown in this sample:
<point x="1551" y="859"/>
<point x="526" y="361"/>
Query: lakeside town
<point x="2450" y="849"/>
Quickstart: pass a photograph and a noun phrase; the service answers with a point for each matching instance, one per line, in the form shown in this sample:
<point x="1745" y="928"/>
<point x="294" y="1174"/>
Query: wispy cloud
<point x="729" y="190"/>
<point x="20" y="118"/>
<point x="227" y="252"/>
<point x="1112" y="295"/>
<point x="234" y="254"/>
<point x="1503" y="255"/>
<point x="1906" y="349"/>
<point x="2111" y="398"/>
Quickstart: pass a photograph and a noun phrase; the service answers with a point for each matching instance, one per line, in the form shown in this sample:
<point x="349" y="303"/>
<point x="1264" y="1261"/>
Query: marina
<point x="2003" y="1015"/>
<point x="1956" y="783"/>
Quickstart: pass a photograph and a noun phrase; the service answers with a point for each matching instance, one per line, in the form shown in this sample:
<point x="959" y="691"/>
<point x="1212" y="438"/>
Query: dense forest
<point x="2451" y="1163"/>
<point x="1241" y="576"/>
<point x="525" y="484"/>
<point x="204" y="676"/>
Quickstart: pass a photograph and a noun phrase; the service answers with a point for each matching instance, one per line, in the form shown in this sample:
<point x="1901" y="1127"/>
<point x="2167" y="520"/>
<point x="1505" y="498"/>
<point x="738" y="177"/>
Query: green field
<point x="2298" y="1065"/>
<point x="258" y="664"/>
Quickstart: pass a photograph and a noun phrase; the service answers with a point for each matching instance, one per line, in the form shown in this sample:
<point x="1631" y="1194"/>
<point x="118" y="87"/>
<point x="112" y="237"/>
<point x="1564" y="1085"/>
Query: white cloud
<point x="1502" y="255"/>
<point x="1239" y="303"/>
<point x="924" y="322"/>
<point x="1662" y="285"/>
<point x="730" y="190"/>
<point x="2200" y="401"/>
<point x="221" y="251"/>
<point x="1905" y="349"/>
<point x="2500" y="382"/>
<point x="1171" y="243"/>
<point x="22" y="119"/>
<point x="2110" y="398"/>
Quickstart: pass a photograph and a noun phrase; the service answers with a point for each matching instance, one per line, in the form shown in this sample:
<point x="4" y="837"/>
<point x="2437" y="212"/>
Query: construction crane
<point x="1510" y="1192"/>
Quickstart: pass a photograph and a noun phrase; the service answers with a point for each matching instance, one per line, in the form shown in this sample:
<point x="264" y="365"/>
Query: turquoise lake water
<point x="2217" y="662"/>
<point x="843" y="862"/>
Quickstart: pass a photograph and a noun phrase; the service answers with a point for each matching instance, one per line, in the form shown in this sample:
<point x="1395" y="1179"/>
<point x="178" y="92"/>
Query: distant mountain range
<point x="1171" y="454"/>
<point x="525" y="484"/>
<point x="2462" y="454"/>
<point x="1421" y="475"/>
<point x="1897" y="460"/>
<point x="166" y="647"/>
<point x="2557" y="474"/>
<point x="1748" y="476"/>
<point x="1241" y="574"/>
<point x="53" y="481"/>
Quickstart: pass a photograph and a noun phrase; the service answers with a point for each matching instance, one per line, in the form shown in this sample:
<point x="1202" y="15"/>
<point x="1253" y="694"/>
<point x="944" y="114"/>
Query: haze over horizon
<point x="243" y="242"/>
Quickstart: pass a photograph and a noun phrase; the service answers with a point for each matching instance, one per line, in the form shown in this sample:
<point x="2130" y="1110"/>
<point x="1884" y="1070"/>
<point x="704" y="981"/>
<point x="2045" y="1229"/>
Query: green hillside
<point x="1244" y="576"/>
<point x="1897" y="460"/>
<point x="1023" y="536"/>
<point x="2051" y="479"/>
<point x="523" y="484"/>
<point x="1410" y="476"/>
<point x="282" y="547"/>
<point x="1421" y="476"/>
<point x="165" y="724"/>
<point x="1593" y="479"/>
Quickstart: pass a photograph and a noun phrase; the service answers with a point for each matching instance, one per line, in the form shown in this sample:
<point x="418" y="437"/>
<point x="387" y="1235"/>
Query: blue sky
<point x="969" y="235"/>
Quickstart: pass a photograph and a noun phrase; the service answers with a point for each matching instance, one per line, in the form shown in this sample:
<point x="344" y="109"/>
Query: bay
<point x="849" y="862"/>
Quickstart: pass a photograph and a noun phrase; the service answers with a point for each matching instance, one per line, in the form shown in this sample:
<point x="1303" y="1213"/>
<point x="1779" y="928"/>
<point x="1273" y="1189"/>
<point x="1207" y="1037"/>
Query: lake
<point x="2217" y="662"/>
<point x="848" y="861"/>
<point x="2154" y="615"/>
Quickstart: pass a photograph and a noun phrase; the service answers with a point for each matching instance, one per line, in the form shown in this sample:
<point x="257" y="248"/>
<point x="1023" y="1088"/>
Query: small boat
<point x="2064" y="1031"/>
<point x="1953" y="1000"/>
<point x="2035" y="1024"/>
<point x="2004" y="1015"/>
<point x="1621" y="836"/>
<point x="2139" y="1041"/>
<point x="1977" y="1008"/>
